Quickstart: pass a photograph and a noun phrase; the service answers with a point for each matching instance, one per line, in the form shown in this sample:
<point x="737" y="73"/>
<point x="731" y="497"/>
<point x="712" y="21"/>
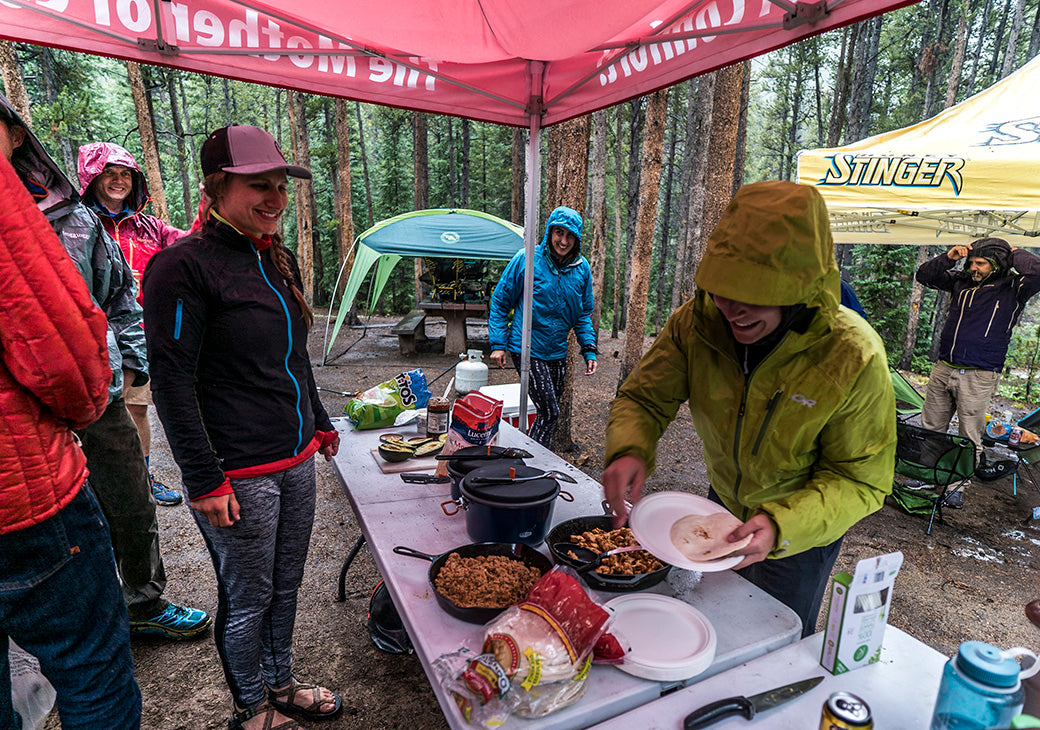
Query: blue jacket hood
<point x="565" y="218"/>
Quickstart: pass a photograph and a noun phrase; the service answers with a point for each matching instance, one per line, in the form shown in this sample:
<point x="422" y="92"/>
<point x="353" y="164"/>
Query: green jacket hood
<point x="773" y="247"/>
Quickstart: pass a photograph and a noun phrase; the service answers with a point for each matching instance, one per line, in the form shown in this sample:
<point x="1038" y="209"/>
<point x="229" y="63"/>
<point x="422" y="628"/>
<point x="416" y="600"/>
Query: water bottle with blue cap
<point x="981" y="687"/>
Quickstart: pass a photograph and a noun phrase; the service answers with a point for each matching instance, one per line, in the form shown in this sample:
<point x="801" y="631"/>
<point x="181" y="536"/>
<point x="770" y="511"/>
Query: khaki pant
<point x="966" y="391"/>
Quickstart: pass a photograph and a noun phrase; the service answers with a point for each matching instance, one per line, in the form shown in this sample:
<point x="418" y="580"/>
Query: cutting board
<point x="423" y="463"/>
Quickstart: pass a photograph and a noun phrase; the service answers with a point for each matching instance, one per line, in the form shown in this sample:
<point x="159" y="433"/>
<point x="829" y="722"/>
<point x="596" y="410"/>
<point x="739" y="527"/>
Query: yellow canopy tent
<point x="971" y="171"/>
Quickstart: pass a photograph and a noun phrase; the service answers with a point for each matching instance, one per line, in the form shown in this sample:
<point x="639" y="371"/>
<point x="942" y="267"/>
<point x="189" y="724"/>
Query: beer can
<point x="1016" y="435"/>
<point x="845" y="711"/>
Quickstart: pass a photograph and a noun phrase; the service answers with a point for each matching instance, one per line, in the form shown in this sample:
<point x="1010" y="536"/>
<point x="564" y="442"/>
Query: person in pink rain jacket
<point x="114" y="188"/>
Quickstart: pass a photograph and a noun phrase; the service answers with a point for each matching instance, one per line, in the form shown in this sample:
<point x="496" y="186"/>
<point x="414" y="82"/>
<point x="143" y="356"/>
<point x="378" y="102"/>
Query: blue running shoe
<point x="163" y="494"/>
<point x="175" y="622"/>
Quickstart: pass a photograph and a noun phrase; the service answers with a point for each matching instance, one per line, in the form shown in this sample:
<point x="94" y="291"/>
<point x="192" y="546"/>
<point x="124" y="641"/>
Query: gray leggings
<point x="259" y="562"/>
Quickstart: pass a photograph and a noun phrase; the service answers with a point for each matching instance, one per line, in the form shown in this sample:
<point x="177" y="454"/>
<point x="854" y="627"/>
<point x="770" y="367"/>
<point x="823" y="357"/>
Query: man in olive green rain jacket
<point x="790" y="394"/>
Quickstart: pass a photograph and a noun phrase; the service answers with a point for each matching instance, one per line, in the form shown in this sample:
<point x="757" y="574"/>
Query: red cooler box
<point x="509" y="394"/>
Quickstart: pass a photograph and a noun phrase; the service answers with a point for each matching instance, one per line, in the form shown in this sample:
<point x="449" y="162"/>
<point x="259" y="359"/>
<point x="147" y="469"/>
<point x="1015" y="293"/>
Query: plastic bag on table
<point x="31" y="694"/>
<point x="545" y="643"/>
<point x="479" y="685"/>
<point x="379" y="407"/>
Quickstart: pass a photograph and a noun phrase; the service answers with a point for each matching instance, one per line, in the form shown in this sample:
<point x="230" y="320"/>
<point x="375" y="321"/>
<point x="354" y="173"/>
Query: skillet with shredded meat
<point x="633" y="563"/>
<point x="487" y="581"/>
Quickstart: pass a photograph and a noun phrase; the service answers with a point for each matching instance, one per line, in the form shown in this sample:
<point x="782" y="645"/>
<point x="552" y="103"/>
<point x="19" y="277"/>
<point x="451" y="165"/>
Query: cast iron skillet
<point x="617" y="583"/>
<point x="477" y="614"/>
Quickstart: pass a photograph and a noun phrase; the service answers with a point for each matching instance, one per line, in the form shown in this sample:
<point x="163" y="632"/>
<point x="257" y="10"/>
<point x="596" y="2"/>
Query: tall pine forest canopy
<point x="709" y="135"/>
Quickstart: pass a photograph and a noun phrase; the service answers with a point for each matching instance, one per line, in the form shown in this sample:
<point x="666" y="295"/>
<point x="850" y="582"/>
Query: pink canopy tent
<point x="529" y="63"/>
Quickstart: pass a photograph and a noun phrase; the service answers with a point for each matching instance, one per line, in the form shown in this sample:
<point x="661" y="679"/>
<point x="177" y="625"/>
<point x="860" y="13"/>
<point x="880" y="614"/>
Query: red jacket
<point x="138" y="234"/>
<point x="54" y="370"/>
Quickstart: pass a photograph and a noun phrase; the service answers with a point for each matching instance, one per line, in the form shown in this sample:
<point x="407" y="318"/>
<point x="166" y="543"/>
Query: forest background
<point x="651" y="175"/>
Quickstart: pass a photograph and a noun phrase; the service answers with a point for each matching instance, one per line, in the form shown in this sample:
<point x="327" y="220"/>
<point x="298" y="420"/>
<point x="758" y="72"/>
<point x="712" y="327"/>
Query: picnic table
<point x="455" y="315"/>
<point x="748" y="622"/>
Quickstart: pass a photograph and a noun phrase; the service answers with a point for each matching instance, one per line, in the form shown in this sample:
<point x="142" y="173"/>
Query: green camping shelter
<point x="436" y="232"/>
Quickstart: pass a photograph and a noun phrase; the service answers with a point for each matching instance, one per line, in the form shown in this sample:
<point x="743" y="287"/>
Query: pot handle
<point x="413" y="553"/>
<point x="444" y="507"/>
<point x="566" y="496"/>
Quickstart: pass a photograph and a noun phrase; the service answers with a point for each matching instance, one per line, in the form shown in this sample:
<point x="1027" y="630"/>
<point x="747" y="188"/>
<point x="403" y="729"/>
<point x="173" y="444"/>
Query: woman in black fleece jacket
<point x="232" y="384"/>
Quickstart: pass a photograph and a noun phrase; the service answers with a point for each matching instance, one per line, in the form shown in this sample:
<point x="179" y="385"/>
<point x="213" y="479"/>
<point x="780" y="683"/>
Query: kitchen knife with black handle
<point x="747" y="707"/>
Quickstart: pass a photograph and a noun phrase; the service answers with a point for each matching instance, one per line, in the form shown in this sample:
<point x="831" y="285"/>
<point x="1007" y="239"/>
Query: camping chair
<point x="934" y="457"/>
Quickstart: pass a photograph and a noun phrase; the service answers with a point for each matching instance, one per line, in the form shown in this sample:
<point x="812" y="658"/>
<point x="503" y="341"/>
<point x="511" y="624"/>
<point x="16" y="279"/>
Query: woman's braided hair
<point x="214" y="185"/>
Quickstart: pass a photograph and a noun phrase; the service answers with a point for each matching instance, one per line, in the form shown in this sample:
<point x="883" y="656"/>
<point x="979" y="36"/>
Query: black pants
<point x="545" y="387"/>
<point x="119" y="478"/>
<point x="798" y="582"/>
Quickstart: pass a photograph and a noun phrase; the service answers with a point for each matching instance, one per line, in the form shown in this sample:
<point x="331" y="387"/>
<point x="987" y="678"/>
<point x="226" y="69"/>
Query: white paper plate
<point x="671" y="640"/>
<point x="651" y="521"/>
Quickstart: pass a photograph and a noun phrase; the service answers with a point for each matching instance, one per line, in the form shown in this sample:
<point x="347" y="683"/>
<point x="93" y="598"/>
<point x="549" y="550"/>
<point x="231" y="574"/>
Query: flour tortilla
<point x="703" y="537"/>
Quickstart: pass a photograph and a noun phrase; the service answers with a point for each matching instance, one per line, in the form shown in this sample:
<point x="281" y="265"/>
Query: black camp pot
<point x="477" y="614"/>
<point x="459" y="466"/>
<point x="616" y="583"/>
<point x="501" y="510"/>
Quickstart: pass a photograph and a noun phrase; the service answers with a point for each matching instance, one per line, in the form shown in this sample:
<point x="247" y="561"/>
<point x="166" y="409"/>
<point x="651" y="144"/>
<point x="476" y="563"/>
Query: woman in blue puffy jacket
<point x="562" y="301"/>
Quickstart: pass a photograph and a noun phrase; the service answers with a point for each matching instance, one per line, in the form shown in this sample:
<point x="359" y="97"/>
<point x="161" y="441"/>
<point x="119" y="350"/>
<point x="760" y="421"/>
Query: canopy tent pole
<point x="533" y="161"/>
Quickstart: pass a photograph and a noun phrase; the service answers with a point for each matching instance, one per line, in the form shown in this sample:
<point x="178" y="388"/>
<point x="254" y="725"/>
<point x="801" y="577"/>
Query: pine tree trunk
<point x="14" y="83"/>
<point x="635" y="127"/>
<point x="914" y="317"/>
<point x="842" y="85"/>
<point x="421" y="184"/>
<point x="1012" y="42"/>
<point x="304" y="224"/>
<point x="466" y="131"/>
<point x="649" y="189"/>
<point x="957" y="63"/>
<point x="516" y="190"/>
<point x="618" y="158"/>
<point x="718" y="183"/>
<point x="364" y="164"/>
<point x="146" y="125"/>
<point x="344" y="209"/>
<point x="598" y="212"/>
<point x="698" y="131"/>
<point x="664" y="271"/>
<point x="571" y="168"/>
<point x="187" y="188"/>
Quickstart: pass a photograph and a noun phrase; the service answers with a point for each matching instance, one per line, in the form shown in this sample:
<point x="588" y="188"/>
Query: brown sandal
<point x="285" y="700"/>
<point x="240" y="717"/>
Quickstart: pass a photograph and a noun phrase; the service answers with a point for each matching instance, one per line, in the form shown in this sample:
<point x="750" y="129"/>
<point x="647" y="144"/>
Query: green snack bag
<point x="379" y="407"/>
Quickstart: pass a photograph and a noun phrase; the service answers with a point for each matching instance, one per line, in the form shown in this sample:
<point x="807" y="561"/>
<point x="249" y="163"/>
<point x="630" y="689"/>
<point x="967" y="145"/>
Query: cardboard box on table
<point x="858" y="613"/>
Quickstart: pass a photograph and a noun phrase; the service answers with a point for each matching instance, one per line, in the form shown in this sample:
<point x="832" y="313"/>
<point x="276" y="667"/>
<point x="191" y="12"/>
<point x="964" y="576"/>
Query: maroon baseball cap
<point x="245" y="150"/>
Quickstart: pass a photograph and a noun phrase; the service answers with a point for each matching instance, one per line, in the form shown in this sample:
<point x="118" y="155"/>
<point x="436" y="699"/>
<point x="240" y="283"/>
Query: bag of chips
<point x="378" y="407"/>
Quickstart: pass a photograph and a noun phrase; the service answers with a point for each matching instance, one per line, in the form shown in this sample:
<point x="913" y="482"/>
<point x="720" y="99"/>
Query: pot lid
<point x="507" y="492"/>
<point x="462" y="467"/>
<point x="671" y="640"/>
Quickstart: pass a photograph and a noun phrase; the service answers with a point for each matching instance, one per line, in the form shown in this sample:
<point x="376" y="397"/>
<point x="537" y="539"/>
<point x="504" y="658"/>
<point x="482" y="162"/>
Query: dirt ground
<point x="969" y="580"/>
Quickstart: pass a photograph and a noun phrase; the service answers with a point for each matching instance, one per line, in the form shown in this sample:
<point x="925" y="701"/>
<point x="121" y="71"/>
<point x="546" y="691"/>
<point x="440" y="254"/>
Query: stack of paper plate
<point x="671" y="640"/>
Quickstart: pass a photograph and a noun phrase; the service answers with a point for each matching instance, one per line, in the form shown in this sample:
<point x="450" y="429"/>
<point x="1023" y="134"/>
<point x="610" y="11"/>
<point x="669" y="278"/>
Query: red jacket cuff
<point x="224" y="488"/>
<point x="326" y="438"/>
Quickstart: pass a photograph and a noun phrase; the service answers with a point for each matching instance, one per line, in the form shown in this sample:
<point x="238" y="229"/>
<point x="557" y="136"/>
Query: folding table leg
<point x="341" y="594"/>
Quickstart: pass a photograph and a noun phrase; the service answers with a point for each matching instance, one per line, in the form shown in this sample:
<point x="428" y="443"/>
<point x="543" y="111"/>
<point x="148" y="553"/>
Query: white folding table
<point x="747" y="621"/>
<point x="900" y="689"/>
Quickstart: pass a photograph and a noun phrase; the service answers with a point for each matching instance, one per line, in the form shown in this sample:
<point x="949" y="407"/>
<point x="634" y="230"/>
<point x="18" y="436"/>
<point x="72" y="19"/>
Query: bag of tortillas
<point x="545" y="643"/>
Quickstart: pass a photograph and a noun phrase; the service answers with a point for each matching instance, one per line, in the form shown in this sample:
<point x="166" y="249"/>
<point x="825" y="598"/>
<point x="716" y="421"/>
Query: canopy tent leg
<point x="533" y="162"/>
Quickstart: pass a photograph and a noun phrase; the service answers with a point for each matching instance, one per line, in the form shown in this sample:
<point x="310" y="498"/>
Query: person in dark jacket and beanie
<point x="118" y="474"/>
<point x="562" y="301"/>
<point x="226" y="324"/>
<point x="114" y="188"/>
<point x="987" y="297"/>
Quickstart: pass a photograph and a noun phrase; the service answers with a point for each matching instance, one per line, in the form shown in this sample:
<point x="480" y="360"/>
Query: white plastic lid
<point x="651" y="522"/>
<point x="671" y="640"/>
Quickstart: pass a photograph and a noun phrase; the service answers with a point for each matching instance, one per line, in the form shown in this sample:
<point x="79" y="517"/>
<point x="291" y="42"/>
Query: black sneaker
<point x="991" y="471"/>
